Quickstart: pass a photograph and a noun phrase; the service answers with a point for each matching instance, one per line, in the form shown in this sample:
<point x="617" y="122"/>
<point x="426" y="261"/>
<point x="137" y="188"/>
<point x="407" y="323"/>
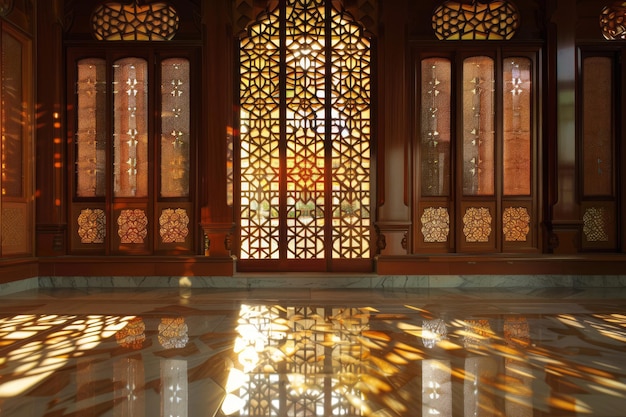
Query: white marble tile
<point x="312" y="280"/>
<point x="400" y="281"/>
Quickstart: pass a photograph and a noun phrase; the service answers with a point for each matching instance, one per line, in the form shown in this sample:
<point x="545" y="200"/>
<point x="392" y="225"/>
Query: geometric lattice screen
<point x="305" y="135"/>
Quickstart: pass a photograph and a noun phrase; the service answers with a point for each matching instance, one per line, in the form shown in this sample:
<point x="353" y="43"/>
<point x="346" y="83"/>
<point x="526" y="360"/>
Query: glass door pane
<point x="478" y="126"/>
<point x="175" y="128"/>
<point x="91" y="131"/>
<point x="517" y="126"/>
<point x="130" y="134"/>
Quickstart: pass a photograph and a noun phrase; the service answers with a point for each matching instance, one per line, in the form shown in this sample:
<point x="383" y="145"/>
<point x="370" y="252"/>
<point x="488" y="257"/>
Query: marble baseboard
<point x="249" y="281"/>
<point x="20" y="285"/>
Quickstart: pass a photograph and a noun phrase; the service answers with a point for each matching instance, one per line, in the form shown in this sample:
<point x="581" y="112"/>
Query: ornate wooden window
<point x="304" y="140"/>
<point x="598" y="130"/>
<point x="16" y="129"/>
<point x="476" y="152"/>
<point x="133" y="136"/>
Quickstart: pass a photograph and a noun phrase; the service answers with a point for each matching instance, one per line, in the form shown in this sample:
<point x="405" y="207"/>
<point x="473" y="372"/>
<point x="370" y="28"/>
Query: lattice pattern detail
<point x="477" y="224"/>
<point x="493" y="20"/>
<point x="132" y="226"/>
<point x="91" y="226"/>
<point x="173" y="225"/>
<point x="133" y="335"/>
<point x="14" y="227"/>
<point x="515" y="224"/>
<point x="435" y="224"/>
<point x="319" y="375"/>
<point x="364" y="11"/>
<point x="132" y="22"/>
<point x="350" y="134"/>
<point x="260" y="129"/>
<point x="309" y="91"/>
<point x="595" y="222"/>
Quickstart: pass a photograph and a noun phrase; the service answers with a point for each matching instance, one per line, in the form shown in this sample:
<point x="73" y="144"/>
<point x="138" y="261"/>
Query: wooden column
<point x="216" y="126"/>
<point x="564" y="224"/>
<point x="393" y="224"/>
<point x="50" y="199"/>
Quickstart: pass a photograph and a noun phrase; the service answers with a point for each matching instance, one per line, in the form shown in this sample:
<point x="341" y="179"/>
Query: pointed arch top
<point x="363" y="11"/>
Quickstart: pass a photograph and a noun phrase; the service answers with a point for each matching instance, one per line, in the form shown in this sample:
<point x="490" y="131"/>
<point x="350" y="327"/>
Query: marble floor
<point x="313" y="352"/>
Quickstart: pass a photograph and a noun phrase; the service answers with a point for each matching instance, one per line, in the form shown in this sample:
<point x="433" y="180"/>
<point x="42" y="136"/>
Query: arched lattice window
<point x="305" y="135"/>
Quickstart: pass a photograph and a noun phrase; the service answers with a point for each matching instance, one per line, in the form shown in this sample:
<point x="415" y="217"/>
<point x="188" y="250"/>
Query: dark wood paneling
<point x="136" y="266"/>
<point x="17" y="269"/>
<point x="502" y="265"/>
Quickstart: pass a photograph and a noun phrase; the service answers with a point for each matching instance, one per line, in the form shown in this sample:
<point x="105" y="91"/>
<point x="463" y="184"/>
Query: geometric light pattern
<point x="92" y="225"/>
<point x="305" y="136"/>
<point x="310" y="356"/>
<point x="595" y="223"/>
<point x="435" y="224"/>
<point x="173" y="225"/>
<point x="133" y="335"/>
<point x="132" y="22"/>
<point x="486" y="20"/>
<point x="132" y="226"/>
<point x="515" y="224"/>
<point x="477" y="224"/>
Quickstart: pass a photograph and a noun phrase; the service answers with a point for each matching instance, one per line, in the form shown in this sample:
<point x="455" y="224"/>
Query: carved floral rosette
<point x="435" y="224"/>
<point x="595" y="224"/>
<point x="173" y="225"/>
<point x="132" y="226"/>
<point x="477" y="224"/>
<point x="515" y="224"/>
<point x="91" y="225"/>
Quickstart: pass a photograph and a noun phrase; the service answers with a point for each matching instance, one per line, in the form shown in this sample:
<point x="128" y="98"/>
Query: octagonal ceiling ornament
<point x="475" y="20"/>
<point x="613" y="21"/>
<point x="136" y="21"/>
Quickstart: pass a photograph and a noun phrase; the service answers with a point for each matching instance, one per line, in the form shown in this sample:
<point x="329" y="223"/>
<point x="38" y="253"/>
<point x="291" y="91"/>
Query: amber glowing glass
<point x="478" y="126"/>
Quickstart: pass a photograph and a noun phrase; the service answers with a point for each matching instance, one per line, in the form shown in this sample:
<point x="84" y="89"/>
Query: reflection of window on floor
<point x="305" y="135"/>
<point x="298" y="361"/>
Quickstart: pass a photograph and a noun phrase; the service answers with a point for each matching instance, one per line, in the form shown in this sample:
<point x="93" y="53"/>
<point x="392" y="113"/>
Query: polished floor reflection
<point x="289" y="352"/>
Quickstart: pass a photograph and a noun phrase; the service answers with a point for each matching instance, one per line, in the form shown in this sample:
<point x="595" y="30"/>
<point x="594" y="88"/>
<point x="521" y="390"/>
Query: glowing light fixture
<point x="475" y="20"/>
<point x="613" y="21"/>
